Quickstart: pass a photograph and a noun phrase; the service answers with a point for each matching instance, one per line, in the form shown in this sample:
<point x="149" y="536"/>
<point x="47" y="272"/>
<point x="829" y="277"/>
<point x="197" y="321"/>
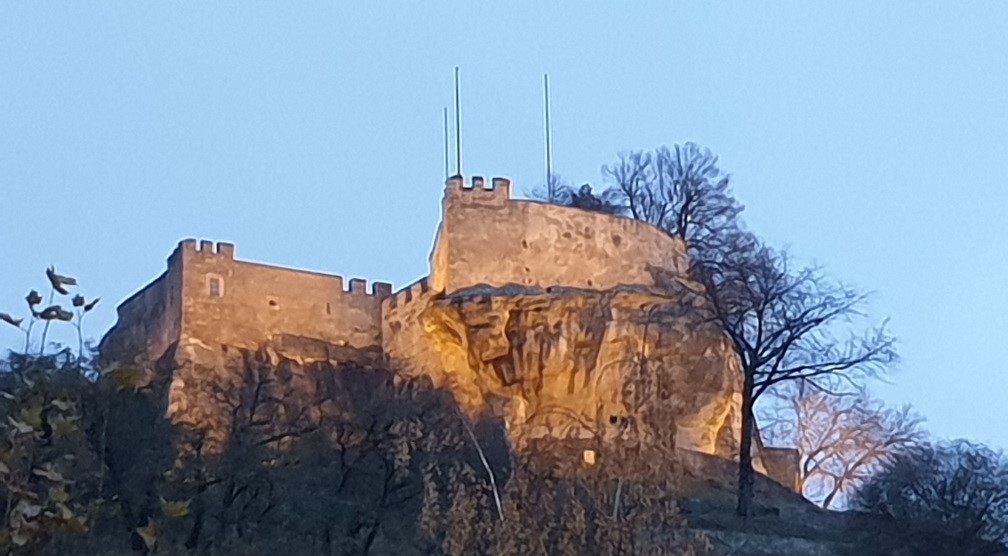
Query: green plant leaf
<point x="175" y="508"/>
<point x="49" y="472"/>
<point x="65" y="513"/>
<point x="11" y="320"/>
<point x="55" y="312"/>
<point x="57" y="281"/>
<point x="61" y="405"/>
<point x="21" y="427"/>
<point x="78" y="524"/>
<point x="28" y="509"/>
<point x="63" y="426"/>
<point x="32" y="416"/>
<point x="33" y="298"/>
<point x="59" y="494"/>
<point x="149" y="533"/>
<point x="19" y="537"/>
<point x="128" y="377"/>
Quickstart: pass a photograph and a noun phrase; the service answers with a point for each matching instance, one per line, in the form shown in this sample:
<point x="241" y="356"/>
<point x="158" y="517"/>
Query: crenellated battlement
<point x="206" y="247"/>
<point x="487" y="238"/>
<point x="401" y="298"/>
<point x="478" y="190"/>
<point x="208" y="295"/>
<point x="358" y="286"/>
<point x="220" y="252"/>
<point x="381" y="290"/>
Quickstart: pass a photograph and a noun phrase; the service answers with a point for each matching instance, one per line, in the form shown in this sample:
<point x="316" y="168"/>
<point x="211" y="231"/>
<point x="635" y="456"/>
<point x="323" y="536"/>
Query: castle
<point x="485" y="237"/>
<point x="538" y="312"/>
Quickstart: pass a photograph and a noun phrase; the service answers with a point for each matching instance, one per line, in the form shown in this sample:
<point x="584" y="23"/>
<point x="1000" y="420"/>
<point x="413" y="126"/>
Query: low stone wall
<point x="782" y="465"/>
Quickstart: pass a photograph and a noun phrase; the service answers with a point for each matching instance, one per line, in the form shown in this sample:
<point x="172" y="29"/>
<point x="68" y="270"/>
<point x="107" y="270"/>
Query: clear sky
<point x="868" y="136"/>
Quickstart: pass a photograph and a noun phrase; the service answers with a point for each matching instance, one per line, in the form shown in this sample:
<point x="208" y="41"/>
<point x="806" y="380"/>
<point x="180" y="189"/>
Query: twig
<point x="45" y="330"/>
<point x="28" y="330"/>
<point x="619" y="490"/>
<point x="486" y="465"/>
<point x="80" y="338"/>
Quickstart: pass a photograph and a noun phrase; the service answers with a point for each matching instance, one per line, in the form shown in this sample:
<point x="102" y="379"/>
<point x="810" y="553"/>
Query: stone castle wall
<point x="406" y="343"/>
<point x="487" y="238"/>
<point x="540" y="314"/>
<point x="148" y="322"/>
<point x="537" y="312"/>
<point x="259" y="302"/>
<point x="254" y="304"/>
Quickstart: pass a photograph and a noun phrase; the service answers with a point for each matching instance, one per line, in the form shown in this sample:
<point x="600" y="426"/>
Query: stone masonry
<point x="540" y="314"/>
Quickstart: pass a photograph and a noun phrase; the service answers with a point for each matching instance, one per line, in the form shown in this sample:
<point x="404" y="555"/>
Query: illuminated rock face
<point x="568" y="362"/>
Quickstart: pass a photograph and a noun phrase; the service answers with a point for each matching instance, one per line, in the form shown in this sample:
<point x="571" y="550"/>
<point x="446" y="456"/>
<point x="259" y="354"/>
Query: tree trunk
<point x="745" y="475"/>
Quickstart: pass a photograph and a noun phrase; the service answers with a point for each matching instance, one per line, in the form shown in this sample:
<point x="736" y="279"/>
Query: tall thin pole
<point x="444" y="134"/>
<point x="458" y="125"/>
<point x="549" y="133"/>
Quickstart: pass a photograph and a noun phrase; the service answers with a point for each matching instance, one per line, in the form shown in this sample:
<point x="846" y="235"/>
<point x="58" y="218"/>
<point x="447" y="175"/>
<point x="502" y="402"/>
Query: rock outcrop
<point x="577" y="363"/>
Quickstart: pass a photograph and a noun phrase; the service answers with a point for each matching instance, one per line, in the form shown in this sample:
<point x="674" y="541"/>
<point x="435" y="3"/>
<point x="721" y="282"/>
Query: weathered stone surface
<point x="562" y="361"/>
<point x="487" y="238"/>
<point x="208" y="295"/>
<point x="214" y="389"/>
<point x="782" y="466"/>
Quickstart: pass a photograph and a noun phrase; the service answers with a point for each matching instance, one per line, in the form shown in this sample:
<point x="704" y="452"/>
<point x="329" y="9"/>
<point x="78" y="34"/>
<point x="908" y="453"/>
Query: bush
<point x="952" y="494"/>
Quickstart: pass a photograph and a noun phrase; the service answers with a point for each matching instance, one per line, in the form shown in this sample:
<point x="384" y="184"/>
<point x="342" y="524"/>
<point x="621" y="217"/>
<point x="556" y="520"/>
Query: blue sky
<point x="870" y="137"/>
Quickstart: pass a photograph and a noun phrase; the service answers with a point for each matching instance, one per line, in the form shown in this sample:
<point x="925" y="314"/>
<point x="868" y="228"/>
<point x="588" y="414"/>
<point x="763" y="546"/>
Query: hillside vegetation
<point x="371" y="466"/>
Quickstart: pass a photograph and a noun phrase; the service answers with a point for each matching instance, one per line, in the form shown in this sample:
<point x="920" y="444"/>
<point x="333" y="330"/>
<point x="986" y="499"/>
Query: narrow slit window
<point x="328" y="309"/>
<point x="215" y="287"/>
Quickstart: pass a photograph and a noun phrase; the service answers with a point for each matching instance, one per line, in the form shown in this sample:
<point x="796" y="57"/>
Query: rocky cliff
<point x="568" y="362"/>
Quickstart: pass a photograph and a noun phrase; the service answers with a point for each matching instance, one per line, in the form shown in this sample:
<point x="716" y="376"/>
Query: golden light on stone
<point x="535" y="313"/>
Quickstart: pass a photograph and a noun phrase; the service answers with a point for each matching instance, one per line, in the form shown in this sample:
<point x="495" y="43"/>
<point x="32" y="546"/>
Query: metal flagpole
<point x="549" y="134"/>
<point x="458" y="125"/>
<point x="444" y="132"/>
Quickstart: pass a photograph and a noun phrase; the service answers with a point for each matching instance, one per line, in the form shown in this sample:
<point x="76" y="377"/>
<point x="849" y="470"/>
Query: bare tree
<point x="556" y="190"/>
<point x="955" y="489"/>
<point x="561" y="192"/>
<point x="784" y="324"/>
<point x="842" y="437"/>
<point x="681" y="190"/>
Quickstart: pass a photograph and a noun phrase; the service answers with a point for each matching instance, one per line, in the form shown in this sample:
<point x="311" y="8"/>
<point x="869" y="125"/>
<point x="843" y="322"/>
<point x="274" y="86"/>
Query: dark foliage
<point x="357" y="463"/>
<point x="953" y="495"/>
<point x="682" y="190"/>
<point x="560" y="192"/>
